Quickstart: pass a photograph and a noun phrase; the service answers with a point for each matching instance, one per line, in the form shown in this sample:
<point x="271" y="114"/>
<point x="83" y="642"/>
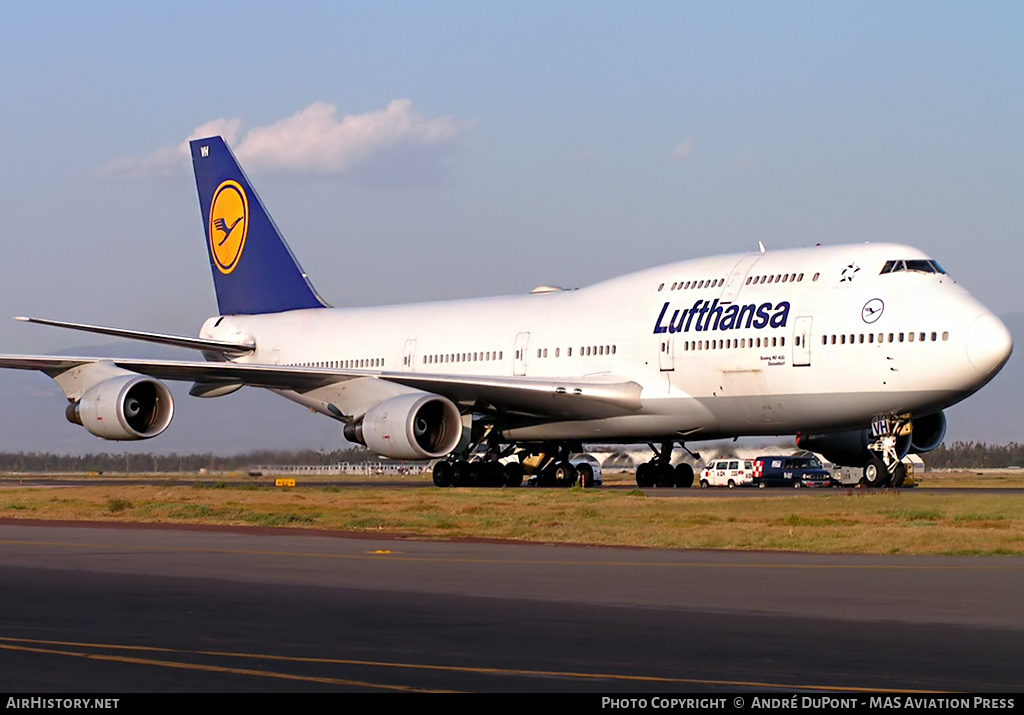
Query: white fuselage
<point x="793" y="340"/>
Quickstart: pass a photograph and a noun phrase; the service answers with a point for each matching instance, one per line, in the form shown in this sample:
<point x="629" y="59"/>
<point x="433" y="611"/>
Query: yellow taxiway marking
<point x="399" y="556"/>
<point x="52" y="647"/>
<point x="21" y="644"/>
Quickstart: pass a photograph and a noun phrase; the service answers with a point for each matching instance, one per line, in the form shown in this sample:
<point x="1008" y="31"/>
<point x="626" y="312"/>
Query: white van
<point x="728" y="473"/>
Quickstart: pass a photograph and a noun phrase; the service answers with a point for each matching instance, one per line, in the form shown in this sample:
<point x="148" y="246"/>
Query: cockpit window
<point x="920" y="265"/>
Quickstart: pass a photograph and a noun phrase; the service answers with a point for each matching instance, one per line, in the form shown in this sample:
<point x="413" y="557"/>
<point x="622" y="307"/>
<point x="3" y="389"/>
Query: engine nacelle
<point x="124" y="407"/>
<point x="928" y="432"/>
<point x="413" y="426"/>
<point x="849" y="449"/>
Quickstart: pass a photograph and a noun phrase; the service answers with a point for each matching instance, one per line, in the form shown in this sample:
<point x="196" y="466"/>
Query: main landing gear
<point x="481" y="470"/>
<point x="885" y="466"/>
<point x="659" y="472"/>
<point x="479" y="473"/>
<point x="549" y="464"/>
<point x="552" y="466"/>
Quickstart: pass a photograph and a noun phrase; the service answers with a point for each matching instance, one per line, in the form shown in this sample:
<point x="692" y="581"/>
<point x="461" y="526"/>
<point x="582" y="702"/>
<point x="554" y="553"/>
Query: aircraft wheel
<point x="664" y="475"/>
<point x="900" y="476"/>
<point x="462" y="474"/>
<point x="443" y="474"/>
<point x="491" y="474"/>
<point x="684" y="475"/>
<point x="643" y="475"/>
<point x="546" y="477"/>
<point x="513" y="474"/>
<point x="875" y="473"/>
<point x="586" y="476"/>
<point x="565" y="474"/>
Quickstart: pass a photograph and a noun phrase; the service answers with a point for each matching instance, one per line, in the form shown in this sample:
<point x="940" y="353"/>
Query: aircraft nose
<point x="989" y="344"/>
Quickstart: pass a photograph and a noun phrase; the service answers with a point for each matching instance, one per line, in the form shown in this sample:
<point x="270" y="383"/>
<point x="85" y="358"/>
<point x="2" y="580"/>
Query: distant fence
<point x="367" y="468"/>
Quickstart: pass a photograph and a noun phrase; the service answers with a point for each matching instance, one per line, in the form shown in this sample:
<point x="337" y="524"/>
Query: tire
<point x="513" y="474"/>
<point x="900" y="476"/>
<point x="798" y="484"/>
<point x="462" y="474"/>
<point x="443" y="474"/>
<point x="704" y="484"/>
<point x="585" y="476"/>
<point x="875" y="473"/>
<point x="565" y="474"/>
<point x="545" y="478"/>
<point x="643" y="476"/>
<point x="732" y="484"/>
<point x="665" y="475"/>
<point x="761" y="484"/>
<point x="684" y="475"/>
<point x="493" y="474"/>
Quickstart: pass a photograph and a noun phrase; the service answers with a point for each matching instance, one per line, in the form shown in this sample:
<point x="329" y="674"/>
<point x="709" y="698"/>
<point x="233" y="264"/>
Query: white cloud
<point x="313" y="140"/>
<point x="682" y="151"/>
<point x="227" y="128"/>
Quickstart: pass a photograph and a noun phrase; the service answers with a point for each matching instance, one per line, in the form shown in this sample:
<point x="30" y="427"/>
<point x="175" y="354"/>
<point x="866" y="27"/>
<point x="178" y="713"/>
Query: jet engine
<point x="850" y="448"/>
<point x="928" y="432"/>
<point x="124" y="407"/>
<point x="414" y="426"/>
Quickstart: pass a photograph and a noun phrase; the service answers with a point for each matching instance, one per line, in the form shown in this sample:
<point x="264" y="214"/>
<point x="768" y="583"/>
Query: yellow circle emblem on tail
<point x="229" y="225"/>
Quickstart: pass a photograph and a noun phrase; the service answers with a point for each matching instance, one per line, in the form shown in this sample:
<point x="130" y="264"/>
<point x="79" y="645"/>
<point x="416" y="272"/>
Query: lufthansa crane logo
<point x="872" y="310"/>
<point x="229" y="225"/>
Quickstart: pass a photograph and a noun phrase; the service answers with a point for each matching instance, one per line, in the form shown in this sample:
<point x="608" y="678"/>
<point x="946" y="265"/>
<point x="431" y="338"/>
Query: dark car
<point x="791" y="472"/>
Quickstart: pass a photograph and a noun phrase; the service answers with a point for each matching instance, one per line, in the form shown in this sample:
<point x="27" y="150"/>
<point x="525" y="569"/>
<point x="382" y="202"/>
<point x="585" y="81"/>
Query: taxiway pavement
<point x="130" y="609"/>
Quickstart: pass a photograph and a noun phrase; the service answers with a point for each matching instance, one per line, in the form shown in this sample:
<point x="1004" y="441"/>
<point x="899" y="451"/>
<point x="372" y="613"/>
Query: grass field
<point x="842" y="521"/>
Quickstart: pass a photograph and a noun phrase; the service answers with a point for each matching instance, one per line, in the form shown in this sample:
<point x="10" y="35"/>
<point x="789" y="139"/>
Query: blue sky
<point x="481" y="148"/>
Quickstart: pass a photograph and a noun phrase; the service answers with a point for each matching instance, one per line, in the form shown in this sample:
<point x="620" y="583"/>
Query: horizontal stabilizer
<point x="179" y="341"/>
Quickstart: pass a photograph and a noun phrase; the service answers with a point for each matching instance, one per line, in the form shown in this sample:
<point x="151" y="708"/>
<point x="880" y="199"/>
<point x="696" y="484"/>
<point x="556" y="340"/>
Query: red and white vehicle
<point x="728" y="473"/>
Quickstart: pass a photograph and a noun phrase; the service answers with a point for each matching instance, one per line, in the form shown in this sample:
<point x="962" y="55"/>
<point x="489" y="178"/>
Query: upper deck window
<point x="920" y="265"/>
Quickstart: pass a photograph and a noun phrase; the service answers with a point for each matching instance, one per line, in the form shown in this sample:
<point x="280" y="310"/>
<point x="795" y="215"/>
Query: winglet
<point x="254" y="271"/>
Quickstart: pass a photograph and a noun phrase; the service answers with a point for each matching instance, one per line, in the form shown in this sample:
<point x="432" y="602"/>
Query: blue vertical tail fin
<point x="254" y="271"/>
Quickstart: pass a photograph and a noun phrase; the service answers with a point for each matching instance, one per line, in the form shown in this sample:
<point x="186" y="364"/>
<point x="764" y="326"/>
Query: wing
<point x="576" y="398"/>
<point x="570" y="398"/>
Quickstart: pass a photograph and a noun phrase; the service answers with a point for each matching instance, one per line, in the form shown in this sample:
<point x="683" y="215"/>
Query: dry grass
<point x="985" y="478"/>
<point x="859" y="521"/>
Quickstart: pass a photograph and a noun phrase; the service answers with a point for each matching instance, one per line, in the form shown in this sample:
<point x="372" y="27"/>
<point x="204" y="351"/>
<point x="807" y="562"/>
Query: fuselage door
<point x="519" y="357"/>
<point x="802" y="341"/>
<point x="409" y="355"/>
<point x="665" y="359"/>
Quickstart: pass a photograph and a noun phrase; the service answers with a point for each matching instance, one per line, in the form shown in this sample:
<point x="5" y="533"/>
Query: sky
<point x="413" y="151"/>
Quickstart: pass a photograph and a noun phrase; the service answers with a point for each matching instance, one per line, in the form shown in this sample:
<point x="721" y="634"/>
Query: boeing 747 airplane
<point x="855" y="349"/>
